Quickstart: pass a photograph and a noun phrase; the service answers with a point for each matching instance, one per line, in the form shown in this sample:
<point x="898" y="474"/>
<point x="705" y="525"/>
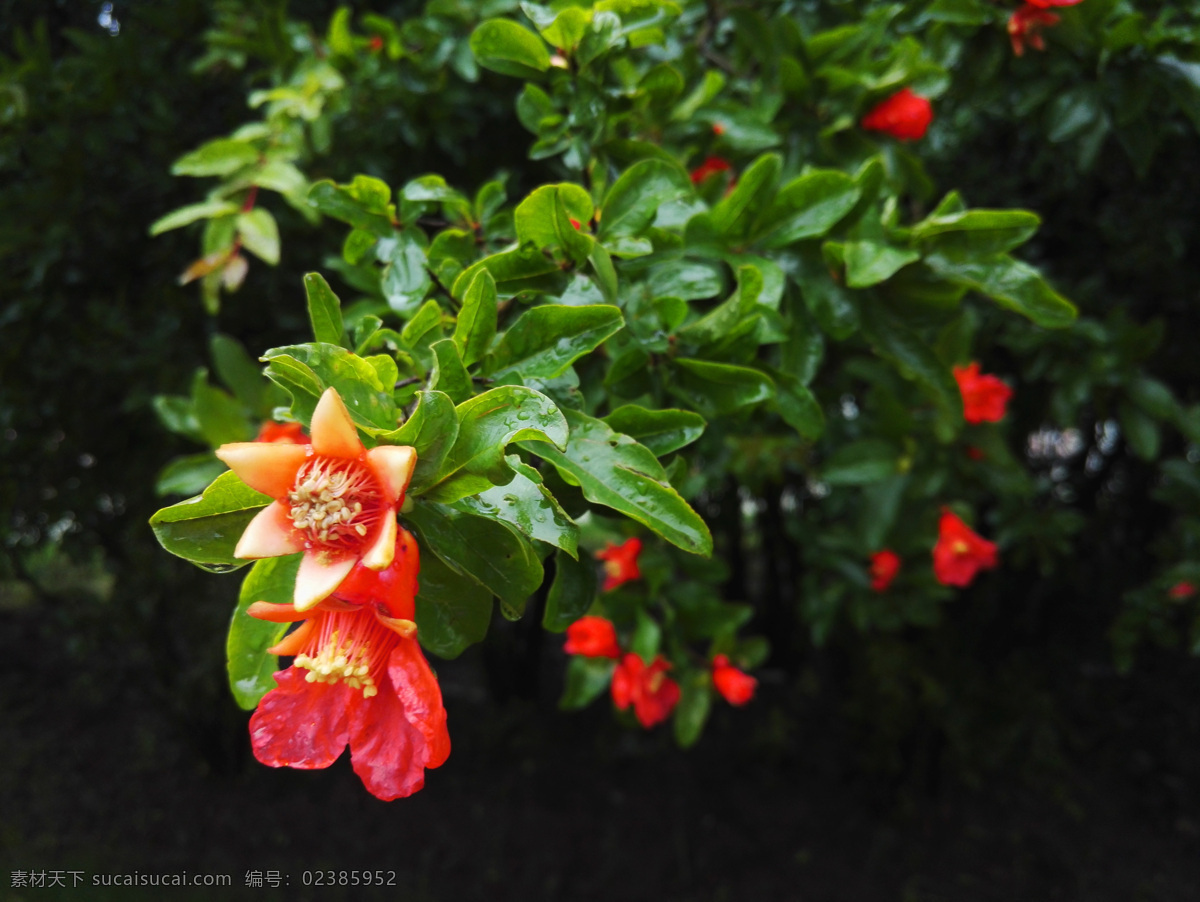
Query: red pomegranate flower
<point x="960" y="553"/>
<point x="904" y="116"/>
<point x="652" y="693"/>
<point x="592" y="637"/>
<point x="1181" y="591"/>
<point x="1047" y="4"/>
<point x="620" y="562"/>
<point x="885" y="565"/>
<point x="283" y="433"/>
<point x="334" y="500"/>
<point x="984" y="397"/>
<point x="709" y="167"/>
<point x="1025" y="25"/>
<point x="736" y="687"/>
<point x="359" y="679"/>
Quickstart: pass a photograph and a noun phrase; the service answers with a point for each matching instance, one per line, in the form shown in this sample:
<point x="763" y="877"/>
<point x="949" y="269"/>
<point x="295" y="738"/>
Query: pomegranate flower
<point x="904" y="116"/>
<point x="335" y="501"/>
<point x="1181" y="591"/>
<point x="1047" y="4"/>
<point x="1025" y="25"/>
<point x="960" y="553"/>
<point x="283" y="433"/>
<point x="984" y="397"/>
<point x="360" y="679"/>
<point x="652" y="693"/>
<point x="592" y="637"/>
<point x="735" y="686"/>
<point x="710" y="167"/>
<point x="885" y="565"/>
<point x="620" y="562"/>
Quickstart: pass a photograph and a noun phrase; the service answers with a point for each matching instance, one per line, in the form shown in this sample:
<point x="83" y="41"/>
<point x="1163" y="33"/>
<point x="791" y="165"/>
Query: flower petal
<point x="393" y="467"/>
<point x="388" y="753"/>
<point x="333" y="431"/>
<point x="301" y="724"/>
<point x="269" y="534"/>
<point x="379" y="556"/>
<point x="418" y="688"/>
<point x="266" y="467"/>
<point x="294" y="642"/>
<point x="319" y="575"/>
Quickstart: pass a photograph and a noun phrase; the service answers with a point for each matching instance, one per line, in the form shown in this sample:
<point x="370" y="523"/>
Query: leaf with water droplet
<point x="527" y="505"/>
<point x="206" y="529"/>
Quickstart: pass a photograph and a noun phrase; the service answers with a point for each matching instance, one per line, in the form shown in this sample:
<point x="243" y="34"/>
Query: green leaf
<point x="488" y="551"/>
<point x="861" y="462"/>
<point x="614" y="470"/>
<point x="219" y="157"/>
<point x="206" y="529"/>
<point x="191" y="213"/>
<point x="975" y="233"/>
<point x="1141" y="431"/>
<point x="431" y="430"/>
<point x="453" y="611"/>
<point x="259" y="234"/>
<point x="240" y="374"/>
<point x="870" y="257"/>
<point x="218" y="414"/>
<point x="662" y="431"/>
<point x="516" y="266"/>
<point x="529" y="506"/>
<point x="571" y="593"/>
<point x="324" y="310"/>
<point x="718" y="389"/>
<point x="810" y="205"/>
<point x="505" y="47"/>
<point x="798" y="406"/>
<point x="305" y="371"/>
<point x="735" y="215"/>
<point x="251" y="669"/>
<point x="449" y="374"/>
<point x="405" y="280"/>
<point x="633" y="200"/>
<point x="647" y="637"/>
<point x="1153" y="397"/>
<point x="544" y="218"/>
<point x="686" y="279"/>
<point x="546" y="340"/>
<point x="476" y="325"/>
<point x="895" y="341"/>
<point x="586" y="680"/>
<point x="487" y="423"/>
<point x="695" y="701"/>
<point x="188" y="475"/>
<point x="1011" y="284"/>
<point x="363" y="203"/>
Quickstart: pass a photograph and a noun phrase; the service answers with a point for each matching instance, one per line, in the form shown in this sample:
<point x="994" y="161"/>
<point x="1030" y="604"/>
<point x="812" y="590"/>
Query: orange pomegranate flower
<point x="652" y="693"/>
<point x="283" y="433"/>
<point x="904" y="116"/>
<point x="960" y="553"/>
<point x="735" y="686"/>
<point x="592" y="637"/>
<point x="360" y="679"/>
<point x="620" y="562"/>
<point x="1025" y="25"/>
<point x="984" y="397"/>
<point x="885" y="565"/>
<point x="335" y="501"/>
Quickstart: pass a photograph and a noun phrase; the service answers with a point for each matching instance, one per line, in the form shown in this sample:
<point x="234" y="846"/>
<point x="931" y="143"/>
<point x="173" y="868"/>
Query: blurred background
<point x="1017" y="748"/>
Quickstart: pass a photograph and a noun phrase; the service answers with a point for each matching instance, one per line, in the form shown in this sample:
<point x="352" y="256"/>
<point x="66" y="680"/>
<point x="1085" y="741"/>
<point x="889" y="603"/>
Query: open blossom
<point x="885" y="565"/>
<point x="711" y="166"/>
<point x="359" y="678"/>
<point x="960" y="552"/>
<point x="904" y="116"/>
<point x="652" y="693"/>
<point x="984" y="397"/>
<point x="620" y="562"/>
<point x="1025" y="25"/>
<point x="592" y="637"/>
<point x="283" y="433"/>
<point x="335" y="501"/>
<point x="735" y="686"/>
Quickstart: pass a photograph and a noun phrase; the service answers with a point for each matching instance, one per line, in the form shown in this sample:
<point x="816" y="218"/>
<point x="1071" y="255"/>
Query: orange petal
<point x="333" y="431"/>
<point x="293" y="643"/>
<point x="393" y="467"/>
<point x="275" y="613"/>
<point x="379" y="556"/>
<point x="318" y="577"/>
<point x="270" y="533"/>
<point x="265" y="467"/>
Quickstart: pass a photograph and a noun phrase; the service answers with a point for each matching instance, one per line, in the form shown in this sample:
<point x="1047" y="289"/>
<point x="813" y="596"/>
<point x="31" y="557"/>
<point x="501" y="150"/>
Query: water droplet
<point x="510" y="498"/>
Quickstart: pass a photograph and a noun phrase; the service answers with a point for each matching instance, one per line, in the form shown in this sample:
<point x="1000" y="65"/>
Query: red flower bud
<point x="904" y="116"/>
<point x="592" y="637"/>
<point x="885" y="565"/>
<point x="735" y="686"/>
<point x="984" y="397"/>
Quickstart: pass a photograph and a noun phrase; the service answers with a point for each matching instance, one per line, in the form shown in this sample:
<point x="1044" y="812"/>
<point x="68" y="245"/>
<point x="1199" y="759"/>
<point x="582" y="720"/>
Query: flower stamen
<point x="336" y="502"/>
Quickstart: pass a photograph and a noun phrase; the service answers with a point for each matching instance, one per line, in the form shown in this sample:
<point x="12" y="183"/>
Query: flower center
<point x="960" y="546"/>
<point x="336" y="502"/>
<point x="349" y="648"/>
<point x="655" y="682"/>
<point x="337" y="662"/>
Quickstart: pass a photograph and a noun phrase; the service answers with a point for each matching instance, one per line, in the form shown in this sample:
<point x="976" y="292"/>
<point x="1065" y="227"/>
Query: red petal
<point x="300" y="724"/>
<point x="418" y="688"/>
<point x="387" y="752"/>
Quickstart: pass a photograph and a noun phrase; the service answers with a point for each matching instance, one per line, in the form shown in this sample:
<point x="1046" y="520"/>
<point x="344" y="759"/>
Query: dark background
<point x="1044" y="775"/>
